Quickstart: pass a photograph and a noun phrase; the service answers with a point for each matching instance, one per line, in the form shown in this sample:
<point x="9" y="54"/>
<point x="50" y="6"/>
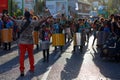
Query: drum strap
<point x="26" y="24"/>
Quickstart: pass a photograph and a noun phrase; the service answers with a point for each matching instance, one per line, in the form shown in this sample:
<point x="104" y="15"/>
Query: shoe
<point x="5" y="49"/>
<point x="9" y="49"/>
<point x="22" y="74"/>
<point x="47" y="60"/>
<point x="44" y="59"/>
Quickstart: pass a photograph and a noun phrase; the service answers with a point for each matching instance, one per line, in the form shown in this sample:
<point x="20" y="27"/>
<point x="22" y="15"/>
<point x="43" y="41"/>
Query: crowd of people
<point x="22" y="30"/>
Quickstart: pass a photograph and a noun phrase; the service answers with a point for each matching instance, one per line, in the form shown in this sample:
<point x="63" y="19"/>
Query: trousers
<point x="23" y="49"/>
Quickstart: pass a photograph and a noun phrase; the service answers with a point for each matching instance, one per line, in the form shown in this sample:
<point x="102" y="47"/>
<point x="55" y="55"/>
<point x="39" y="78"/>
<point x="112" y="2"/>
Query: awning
<point x="87" y="14"/>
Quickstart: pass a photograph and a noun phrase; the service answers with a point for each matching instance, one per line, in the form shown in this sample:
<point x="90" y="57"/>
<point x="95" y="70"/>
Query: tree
<point x="40" y="6"/>
<point x="13" y="8"/>
<point x="113" y="6"/>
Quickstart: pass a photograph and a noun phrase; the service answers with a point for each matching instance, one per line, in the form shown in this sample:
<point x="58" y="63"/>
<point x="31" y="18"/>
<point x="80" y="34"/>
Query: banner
<point x="3" y="5"/>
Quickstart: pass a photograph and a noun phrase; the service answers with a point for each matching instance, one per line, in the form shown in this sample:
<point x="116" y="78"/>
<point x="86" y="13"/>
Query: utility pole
<point x="67" y="8"/>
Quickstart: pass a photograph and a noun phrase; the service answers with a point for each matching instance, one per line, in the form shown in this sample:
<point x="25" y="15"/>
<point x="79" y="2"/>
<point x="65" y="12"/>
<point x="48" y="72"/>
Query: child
<point x="45" y="42"/>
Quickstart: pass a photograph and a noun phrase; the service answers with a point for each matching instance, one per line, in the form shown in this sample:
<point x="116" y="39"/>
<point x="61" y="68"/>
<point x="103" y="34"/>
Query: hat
<point x="27" y="14"/>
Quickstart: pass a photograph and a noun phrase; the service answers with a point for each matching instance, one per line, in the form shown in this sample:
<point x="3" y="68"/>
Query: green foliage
<point x="112" y="6"/>
<point x="40" y="6"/>
<point x="13" y="9"/>
<point x="18" y="12"/>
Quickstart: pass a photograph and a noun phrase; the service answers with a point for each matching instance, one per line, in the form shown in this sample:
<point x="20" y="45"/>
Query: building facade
<point x="84" y="8"/>
<point x="68" y="7"/>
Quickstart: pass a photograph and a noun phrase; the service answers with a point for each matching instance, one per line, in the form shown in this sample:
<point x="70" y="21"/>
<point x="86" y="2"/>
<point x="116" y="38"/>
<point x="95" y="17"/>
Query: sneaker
<point x="47" y="60"/>
<point x="22" y="74"/>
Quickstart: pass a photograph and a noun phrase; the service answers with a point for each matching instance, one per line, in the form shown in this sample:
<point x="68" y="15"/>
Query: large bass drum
<point x="58" y="39"/>
<point x="0" y="36"/>
<point x="68" y="32"/>
<point x="77" y="39"/>
<point x="44" y="45"/>
<point x="7" y="35"/>
<point x="36" y="37"/>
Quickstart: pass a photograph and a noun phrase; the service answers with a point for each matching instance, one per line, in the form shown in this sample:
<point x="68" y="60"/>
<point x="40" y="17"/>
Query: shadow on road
<point x="73" y="65"/>
<point x="4" y="52"/>
<point x="42" y="67"/>
<point x="13" y="62"/>
<point x="110" y="69"/>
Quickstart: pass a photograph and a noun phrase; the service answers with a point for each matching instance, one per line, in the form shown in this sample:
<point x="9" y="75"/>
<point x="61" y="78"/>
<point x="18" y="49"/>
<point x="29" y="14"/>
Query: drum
<point x="68" y="32"/>
<point x="6" y="35"/>
<point x="58" y="39"/>
<point x="44" y="45"/>
<point x="36" y="37"/>
<point x="77" y="39"/>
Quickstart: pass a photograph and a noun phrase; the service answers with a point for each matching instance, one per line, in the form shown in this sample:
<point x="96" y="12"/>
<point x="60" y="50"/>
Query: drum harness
<point x="23" y="27"/>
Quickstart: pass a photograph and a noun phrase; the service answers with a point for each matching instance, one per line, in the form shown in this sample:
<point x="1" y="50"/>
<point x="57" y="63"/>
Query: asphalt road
<point x="63" y="65"/>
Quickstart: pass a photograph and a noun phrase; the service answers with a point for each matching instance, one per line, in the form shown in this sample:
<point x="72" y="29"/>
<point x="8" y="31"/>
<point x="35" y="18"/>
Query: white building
<point x="68" y="7"/>
<point x="57" y="7"/>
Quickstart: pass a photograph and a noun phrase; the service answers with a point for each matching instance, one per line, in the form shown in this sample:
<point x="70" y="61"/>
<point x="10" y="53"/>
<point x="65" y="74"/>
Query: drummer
<point x="45" y="37"/>
<point x="57" y="29"/>
<point x="36" y="18"/>
<point x="0" y="30"/>
<point x="7" y="24"/>
<point x="80" y="29"/>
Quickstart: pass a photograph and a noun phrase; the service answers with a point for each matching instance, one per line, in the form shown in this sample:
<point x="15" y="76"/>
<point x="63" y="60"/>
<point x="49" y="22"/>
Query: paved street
<point x="65" y="65"/>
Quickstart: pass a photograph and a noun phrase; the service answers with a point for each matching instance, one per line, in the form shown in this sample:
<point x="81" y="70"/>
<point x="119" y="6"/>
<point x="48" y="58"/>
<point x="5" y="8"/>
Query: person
<point x="95" y="29"/>
<point x="57" y="29"/>
<point x="36" y="30"/>
<point x="25" y="40"/>
<point x="116" y="26"/>
<point x="100" y="35"/>
<point x="80" y="43"/>
<point x="0" y="31"/>
<point x="106" y="31"/>
<point x="26" y="43"/>
<point x="87" y="30"/>
<point x="7" y="24"/>
<point x="45" y="42"/>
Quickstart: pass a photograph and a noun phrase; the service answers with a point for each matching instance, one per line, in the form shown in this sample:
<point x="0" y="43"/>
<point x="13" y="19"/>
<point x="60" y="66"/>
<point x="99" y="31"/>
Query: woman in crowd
<point x="26" y="40"/>
<point x="7" y="24"/>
